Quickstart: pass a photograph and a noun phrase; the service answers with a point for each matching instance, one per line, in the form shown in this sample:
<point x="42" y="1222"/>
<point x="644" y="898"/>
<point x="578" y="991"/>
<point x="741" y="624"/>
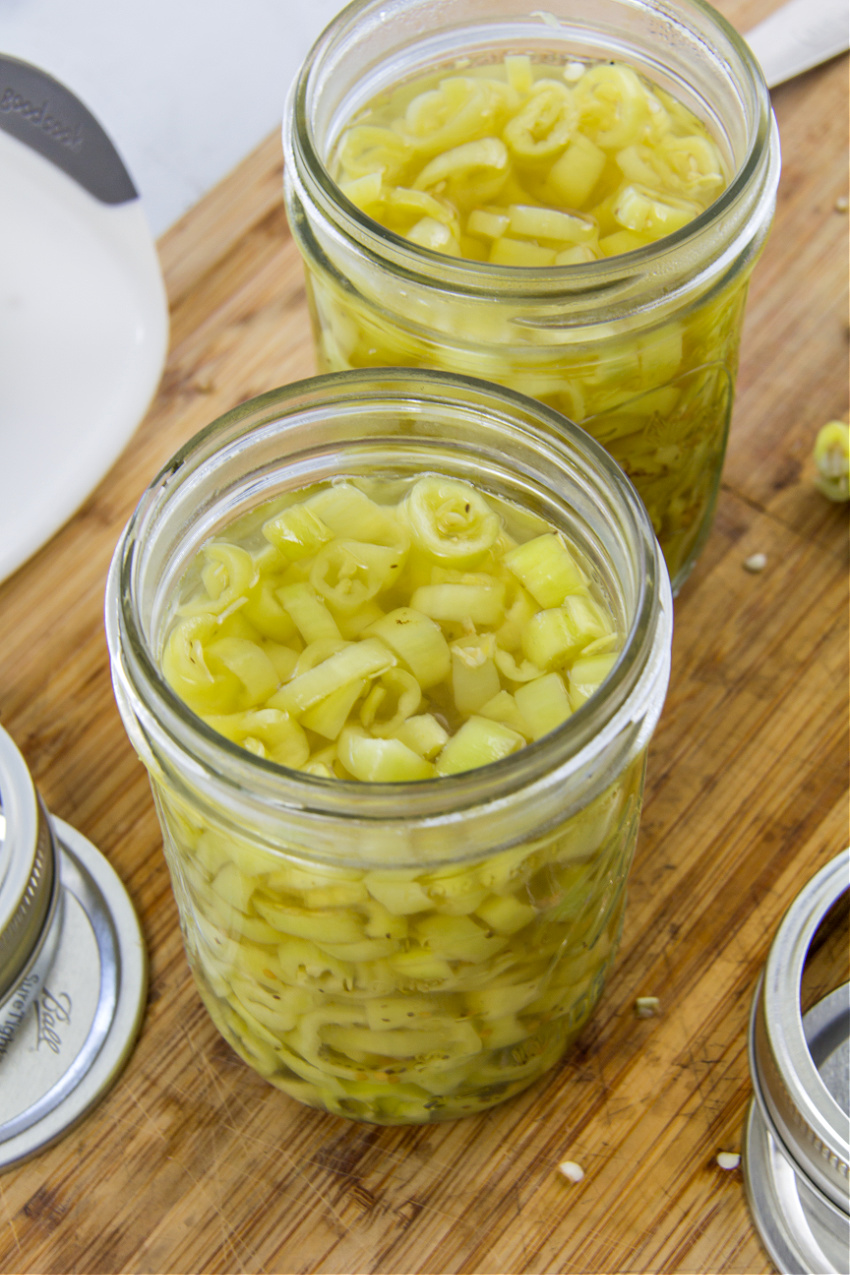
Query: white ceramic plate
<point x="83" y="312"/>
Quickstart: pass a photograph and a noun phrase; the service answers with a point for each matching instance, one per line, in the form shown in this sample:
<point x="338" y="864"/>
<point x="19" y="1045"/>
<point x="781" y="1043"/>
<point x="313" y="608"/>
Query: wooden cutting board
<point x="192" y="1162"/>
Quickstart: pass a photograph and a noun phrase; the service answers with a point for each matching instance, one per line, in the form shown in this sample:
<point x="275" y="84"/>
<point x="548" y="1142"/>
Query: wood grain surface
<point x="192" y="1162"/>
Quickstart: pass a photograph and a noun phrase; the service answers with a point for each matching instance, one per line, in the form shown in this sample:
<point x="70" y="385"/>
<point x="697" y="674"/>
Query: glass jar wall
<point x="642" y="348"/>
<point x="409" y="952"/>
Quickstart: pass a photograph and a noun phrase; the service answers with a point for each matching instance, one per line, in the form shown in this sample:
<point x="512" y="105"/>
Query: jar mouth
<point x="305" y="161"/>
<point x="284" y="418"/>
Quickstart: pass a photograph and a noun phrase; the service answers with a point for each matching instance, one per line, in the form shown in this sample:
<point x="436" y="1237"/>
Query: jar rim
<point x="475" y="278"/>
<point x="616" y="706"/>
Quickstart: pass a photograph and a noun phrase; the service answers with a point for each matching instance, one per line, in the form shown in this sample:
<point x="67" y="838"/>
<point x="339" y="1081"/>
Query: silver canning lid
<point x="797" y="1145"/>
<point x="76" y="982"/>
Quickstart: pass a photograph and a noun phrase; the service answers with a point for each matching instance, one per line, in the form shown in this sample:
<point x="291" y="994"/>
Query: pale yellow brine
<point x="415" y="631"/>
<point x="385" y="631"/>
<point x="555" y="166"/>
<point x="530" y="164"/>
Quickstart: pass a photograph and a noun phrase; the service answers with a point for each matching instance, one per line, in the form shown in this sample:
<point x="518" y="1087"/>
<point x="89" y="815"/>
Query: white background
<point x="184" y="88"/>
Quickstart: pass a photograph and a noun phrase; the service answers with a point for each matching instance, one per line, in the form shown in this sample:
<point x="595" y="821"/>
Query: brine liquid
<point x="549" y="165"/>
<point x="420" y="630"/>
<point x="394" y="991"/>
<point x="530" y="164"/>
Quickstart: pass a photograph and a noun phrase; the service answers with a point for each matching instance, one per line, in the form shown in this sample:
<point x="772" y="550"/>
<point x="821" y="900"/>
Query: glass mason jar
<point x="641" y="349"/>
<point x="407" y="952"/>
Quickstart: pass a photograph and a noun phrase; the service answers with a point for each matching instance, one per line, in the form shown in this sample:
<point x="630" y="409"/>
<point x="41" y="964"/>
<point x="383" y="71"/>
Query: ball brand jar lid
<point x="797" y="1146"/>
<point x="73" y="970"/>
